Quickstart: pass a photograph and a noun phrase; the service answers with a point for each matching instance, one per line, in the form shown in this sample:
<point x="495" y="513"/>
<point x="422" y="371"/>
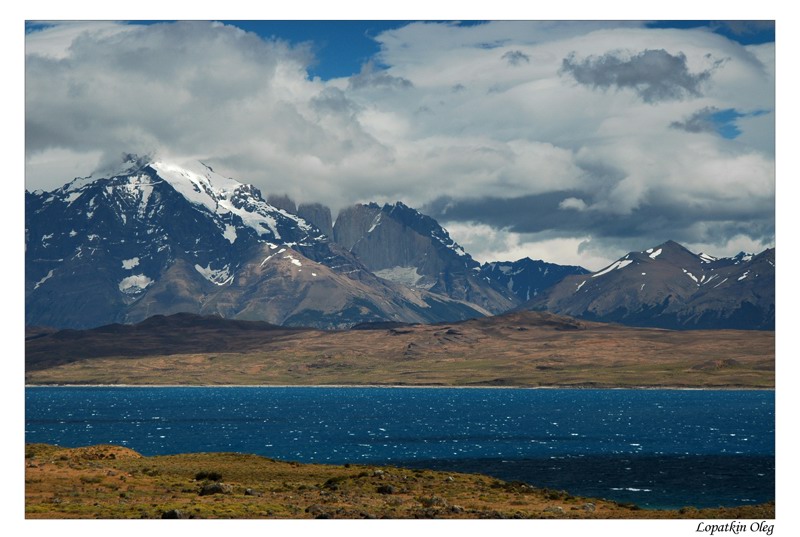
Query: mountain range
<point x="155" y="238"/>
<point x="670" y="287"/>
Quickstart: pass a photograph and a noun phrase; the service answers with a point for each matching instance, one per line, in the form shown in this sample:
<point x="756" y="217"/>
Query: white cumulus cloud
<point x="576" y="115"/>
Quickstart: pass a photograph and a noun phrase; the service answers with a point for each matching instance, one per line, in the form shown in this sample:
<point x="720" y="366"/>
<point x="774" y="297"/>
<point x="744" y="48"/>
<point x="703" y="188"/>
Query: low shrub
<point x="210" y="476"/>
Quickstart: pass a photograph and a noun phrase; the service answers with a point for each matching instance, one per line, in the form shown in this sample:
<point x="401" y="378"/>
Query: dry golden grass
<point x="525" y="349"/>
<point x="113" y="482"/>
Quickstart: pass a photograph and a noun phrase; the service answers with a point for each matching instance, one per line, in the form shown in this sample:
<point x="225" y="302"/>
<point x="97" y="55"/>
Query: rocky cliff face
<point x="283" y="202"/>
<point x="319" y="215"/>
<point x="404" y="246"/>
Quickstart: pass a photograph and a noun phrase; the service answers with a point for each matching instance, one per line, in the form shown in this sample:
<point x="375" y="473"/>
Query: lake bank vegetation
<point x="115" y="482"/>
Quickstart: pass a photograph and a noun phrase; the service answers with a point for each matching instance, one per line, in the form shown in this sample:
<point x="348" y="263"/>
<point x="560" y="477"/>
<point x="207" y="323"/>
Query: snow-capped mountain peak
<point x="742" y="257"/>
<point x="197" y="182"/>
<point x="129" y="165"/>
<point x="163" y="237"/>
<point x="670" y="286"/>
<point x="226" y="197"/>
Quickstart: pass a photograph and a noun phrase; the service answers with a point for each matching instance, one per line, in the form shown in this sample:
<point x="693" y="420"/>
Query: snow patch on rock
<point x="40" y="282"/>
<point x="614" y="266"/>
<point x="217" y="277"/>
<point x="293" y="260"/>
<point x="128" y="264"/>
<point x="407" y="276"/>
<point x="230" y="233"/>
<point x="134" y="284"/>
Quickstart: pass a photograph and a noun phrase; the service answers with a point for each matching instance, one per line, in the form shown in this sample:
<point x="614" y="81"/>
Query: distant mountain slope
<point x="668" y="286"/>
<point x="402" y="245"/>
<point x="160" y="238"/>
<point x="180" y="333"/>
<point x="524" y="348"/>
<point x="527" y="278"/>
<point x="188" y="333"/>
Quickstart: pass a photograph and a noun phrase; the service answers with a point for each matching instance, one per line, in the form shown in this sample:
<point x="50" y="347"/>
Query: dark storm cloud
<point x="370" y="76"/>
<point x="546" y="215"/>
<point x="527" y="214"/>
<point x="516" y="57"/>
<point x="655" y="75"/>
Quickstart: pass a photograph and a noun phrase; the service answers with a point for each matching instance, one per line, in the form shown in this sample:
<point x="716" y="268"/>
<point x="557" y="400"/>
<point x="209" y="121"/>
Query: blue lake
<point x="655" y="448"/>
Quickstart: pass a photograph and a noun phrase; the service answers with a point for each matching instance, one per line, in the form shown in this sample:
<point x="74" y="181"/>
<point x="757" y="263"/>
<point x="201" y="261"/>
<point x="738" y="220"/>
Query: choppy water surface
<point x="656" y="448"/>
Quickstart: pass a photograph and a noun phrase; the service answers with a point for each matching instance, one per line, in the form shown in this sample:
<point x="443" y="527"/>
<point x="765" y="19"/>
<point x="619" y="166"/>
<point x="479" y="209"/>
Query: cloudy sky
<point x="573" y="142"/>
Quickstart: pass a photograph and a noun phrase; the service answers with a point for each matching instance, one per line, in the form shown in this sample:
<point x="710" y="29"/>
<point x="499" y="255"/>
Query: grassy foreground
<point x="116" y="482"/>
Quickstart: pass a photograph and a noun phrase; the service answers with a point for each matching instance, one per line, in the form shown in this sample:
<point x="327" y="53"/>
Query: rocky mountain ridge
<point x="402" y="245"/>
<point x="156" y="238"/>
<point x="670" y="287"/>
<point x="527" y="278"/>
<point x="159" y="238"/>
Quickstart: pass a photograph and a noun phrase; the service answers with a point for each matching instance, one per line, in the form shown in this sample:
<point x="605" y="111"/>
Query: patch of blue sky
<point x="339" y="48"/>
<point x="725" y="121"/>
<point x="745" y="32"/>
<point x="36" y="26"/>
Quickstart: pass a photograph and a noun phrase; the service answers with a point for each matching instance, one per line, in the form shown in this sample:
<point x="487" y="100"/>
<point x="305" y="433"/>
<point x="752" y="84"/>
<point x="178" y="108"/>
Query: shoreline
<point x="256" y="486"/>
<point x="401" y="386"/>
